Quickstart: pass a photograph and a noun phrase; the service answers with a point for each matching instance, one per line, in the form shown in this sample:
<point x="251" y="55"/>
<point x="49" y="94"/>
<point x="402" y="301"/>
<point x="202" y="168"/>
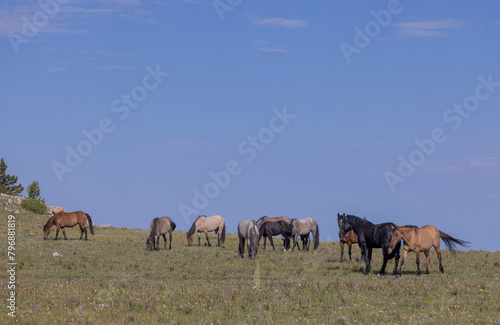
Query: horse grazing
<point x="422" y="239"/>
<point x="303" y="227"/>
<point x="160" y="227"/>
<point x="270" y="229"/>
<point x="248" y="230"/>
<point x="68" y="219"/>
<point x="349" y="238"/>
<point x="265" y="219"/>
<point x="207" y="224"/>
<point x="385" y="235"/>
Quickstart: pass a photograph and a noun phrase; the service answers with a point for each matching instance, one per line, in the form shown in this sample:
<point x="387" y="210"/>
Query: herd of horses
<point x="352" y="230"/>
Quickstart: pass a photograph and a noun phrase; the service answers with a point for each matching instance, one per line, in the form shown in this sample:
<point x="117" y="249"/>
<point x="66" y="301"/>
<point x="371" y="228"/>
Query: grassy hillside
<point x="111" y="279"/>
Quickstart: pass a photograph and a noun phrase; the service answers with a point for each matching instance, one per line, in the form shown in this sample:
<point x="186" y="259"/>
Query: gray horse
<point x="248" y="230"/>
<point x="304" y="227"/>
<point x="159" y="227"/>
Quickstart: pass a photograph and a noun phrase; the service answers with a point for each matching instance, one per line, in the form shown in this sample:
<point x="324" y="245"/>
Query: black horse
<point x="385" y="235"/>
<point x="270" y="229"/>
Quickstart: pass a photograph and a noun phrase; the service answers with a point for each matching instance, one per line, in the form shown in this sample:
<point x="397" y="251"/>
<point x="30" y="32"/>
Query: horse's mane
<point x="154" y="226"/>
<point x="262" y="218"/>
<point x="47" y="225"/>
<point x="357" y="220"/>
<point x="409" y="226"/>
<point x="193" y="227"/>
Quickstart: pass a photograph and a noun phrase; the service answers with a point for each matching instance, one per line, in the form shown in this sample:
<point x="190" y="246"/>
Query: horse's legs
<point x="295" y="242"/>
<point x="271" y="241"/>
<point x="265" y="242"/>
<point x="395" y="251"/>
<point x="165" y="241"/>
<point x="218" y="237"/>
<point x="341" y="251"/>
<point x="158" y="243"/>
<point x="438" y="251"/>
<point x="368" y="259"/>
<point x="405" y="253"/>
<point x="427" y="261"/>
<point x="57" y="233"/>
<point x="418" y="261"/>
<point x="199" y="239"/>
<point x="308" y="242"/>
<point x="385" y="254"/>
<point x="170" y="237"/>
<point x="350" y="256"/>
<point x="64" y="233"/>
<point x="208" y="241"/>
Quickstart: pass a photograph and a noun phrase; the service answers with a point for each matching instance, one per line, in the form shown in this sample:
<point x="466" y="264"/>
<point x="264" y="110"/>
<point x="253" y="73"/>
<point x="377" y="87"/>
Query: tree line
<point x="8" y="185"/>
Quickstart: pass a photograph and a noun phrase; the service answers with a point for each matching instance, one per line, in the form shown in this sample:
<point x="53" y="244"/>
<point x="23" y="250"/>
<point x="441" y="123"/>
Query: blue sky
<point x="383" y="109"/>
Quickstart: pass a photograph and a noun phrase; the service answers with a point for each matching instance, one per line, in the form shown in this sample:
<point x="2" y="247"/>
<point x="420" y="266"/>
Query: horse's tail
<point x="450" y="242"/>
<point x="172" y="225"/>
<point x="91" y="224"/>
<point x="223" y="234"/>
<point x="316" y="235"/>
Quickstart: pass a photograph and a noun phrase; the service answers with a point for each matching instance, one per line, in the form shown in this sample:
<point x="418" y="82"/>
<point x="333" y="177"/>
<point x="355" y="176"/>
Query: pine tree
<point x="34" y="192"/>
<point x="8" y="182"/>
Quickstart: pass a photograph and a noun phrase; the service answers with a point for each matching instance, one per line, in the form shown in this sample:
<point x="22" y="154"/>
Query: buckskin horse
<point x="160" y="227"/>
<point x="385" y="235"/>
<point x="68" y="219"/>
<point x="207" y="224"/>
<point x="422" y="239"/>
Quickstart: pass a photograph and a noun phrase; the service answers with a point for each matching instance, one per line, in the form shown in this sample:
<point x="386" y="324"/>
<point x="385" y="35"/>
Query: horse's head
<point x="46" y="231"/>
<point x="339" y="218"/>
<point x="190" y="239"/>
<point x="396" y="236"/>
<point x="150" y="244"/>
<point x="344" y="225"/>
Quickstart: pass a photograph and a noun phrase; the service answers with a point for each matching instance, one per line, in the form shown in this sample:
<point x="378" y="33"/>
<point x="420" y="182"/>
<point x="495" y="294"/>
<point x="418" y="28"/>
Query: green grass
<point x="111" y="279"/>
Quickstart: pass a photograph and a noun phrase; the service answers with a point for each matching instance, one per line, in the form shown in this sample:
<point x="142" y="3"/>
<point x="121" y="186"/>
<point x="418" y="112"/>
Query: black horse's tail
<point x="91" y="224"/>
<point x="223" y="234"/>
<point x="450" y="242"/>
<point x="173" y="225"/>
<point x="316" y="236"/>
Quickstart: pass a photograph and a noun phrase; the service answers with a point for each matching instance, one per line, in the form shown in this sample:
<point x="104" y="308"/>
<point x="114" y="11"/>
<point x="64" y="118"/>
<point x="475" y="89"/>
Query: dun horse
<point x="207" y="224"/>
<point x="385" y="235"/>
<point x="303" y="227"/>
<point x="68" y="219"/>
<point x="247" y="230"/>
<point x="421" y="240"/>
<point x="349" y="238"/>
<point x="160" y="227"/>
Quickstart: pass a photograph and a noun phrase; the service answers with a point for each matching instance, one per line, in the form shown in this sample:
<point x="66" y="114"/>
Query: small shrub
<point x="34" y="205"/>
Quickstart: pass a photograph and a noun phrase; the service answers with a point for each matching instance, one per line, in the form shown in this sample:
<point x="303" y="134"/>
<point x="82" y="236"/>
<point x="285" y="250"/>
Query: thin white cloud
<point x="271" y="49"/>
<point x="278" y="22"/>
<point x="436" y="28"/>
<point x="118" y="67"/>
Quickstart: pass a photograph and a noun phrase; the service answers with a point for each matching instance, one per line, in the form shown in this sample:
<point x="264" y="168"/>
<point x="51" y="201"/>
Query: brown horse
<point x="349" y="238"/>
<point x="421" y="240"/>
<point x="160" y="227"/>
<point x="68" y="219"/>
<point x="265" y="219"/>
<point x="207" y="224"/>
